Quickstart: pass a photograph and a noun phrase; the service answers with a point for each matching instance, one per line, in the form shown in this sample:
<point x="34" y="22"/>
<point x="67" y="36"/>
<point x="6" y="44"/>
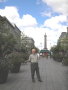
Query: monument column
<point x="45" y="41"/>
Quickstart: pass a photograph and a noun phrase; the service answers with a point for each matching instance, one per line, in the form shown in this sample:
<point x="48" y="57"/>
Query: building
<point x="12" y="29"/>
<point x="62" y="37"/>
<point x="28" y="42"/>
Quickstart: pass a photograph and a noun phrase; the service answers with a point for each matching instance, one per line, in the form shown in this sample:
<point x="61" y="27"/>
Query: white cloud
<point x="38" y="34"/>
<point x="55" y="22"/>
<point x="52" y="27"/>
<point x="60" y="6"/>
<point x="10" y="12"/>
<point x="28" y="20"/>
<point x="13" y="15"/>
<point x="55" y="28"/>
<point x="28" y="24"/>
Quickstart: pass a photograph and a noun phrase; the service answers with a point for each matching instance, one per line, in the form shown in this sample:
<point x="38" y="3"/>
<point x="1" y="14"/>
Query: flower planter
<point x="3" y="75"/>
<point x="4" y="70"/>
<point x="15" y="68"/>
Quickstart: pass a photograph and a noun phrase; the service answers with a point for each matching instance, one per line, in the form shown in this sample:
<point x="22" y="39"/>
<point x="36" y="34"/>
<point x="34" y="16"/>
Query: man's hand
<point x="28" y="60"/>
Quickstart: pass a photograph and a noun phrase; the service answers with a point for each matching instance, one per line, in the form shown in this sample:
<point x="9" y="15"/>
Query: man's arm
<point x="29" y="60"/>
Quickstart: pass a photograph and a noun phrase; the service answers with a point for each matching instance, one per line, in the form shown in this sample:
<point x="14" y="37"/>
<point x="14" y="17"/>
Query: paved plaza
<point x="53" y="74"/>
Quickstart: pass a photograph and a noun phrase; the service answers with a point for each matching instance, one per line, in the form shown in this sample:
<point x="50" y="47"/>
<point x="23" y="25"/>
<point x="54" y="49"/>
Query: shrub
<point x="4" y="63"/>
<point x="65" y="59"/>
<point x="57" y="57"/>
<point x="15" y="58"/>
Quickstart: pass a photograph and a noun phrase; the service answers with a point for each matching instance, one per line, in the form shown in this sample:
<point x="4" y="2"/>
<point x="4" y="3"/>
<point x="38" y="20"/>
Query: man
<point x="33" y="58"/>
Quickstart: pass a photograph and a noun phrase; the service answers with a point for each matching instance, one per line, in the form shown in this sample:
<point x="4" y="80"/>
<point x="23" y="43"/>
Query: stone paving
<point x="53" y="74"/>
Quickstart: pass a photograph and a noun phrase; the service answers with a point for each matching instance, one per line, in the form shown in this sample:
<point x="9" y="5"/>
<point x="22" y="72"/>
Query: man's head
<point x="33" y="51"/>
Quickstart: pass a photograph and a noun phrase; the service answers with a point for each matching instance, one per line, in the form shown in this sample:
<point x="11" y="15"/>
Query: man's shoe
<point x="40" y="80"/>
<point x="33" y="81"/>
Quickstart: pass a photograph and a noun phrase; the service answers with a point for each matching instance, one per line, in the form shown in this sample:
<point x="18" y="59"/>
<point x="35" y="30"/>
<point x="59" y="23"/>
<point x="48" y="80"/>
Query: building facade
<point x="12" y="29"/>
<point x="28" y="41"/>
<point x="63" y="39"/>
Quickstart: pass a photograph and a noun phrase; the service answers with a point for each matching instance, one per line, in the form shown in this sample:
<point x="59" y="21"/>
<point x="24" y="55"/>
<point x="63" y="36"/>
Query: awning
<point x="44" y="51"/>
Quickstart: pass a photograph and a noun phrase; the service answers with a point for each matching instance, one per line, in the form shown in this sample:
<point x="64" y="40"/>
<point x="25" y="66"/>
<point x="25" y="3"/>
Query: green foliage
<point x="25" y="52"/>
<point x="4" y="64"/>
<point x="7" y="44"/>
<point x="15" y="57"/>
<point x="65" y="59"/>
<point x="58" y="53"/>
<point x="65" y="43"/>
<point x="57" y="57"/>
<point x="26" y="45"/>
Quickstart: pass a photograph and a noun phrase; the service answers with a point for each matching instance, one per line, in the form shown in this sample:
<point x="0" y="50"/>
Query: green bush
<point x="57" y="57"/>
<point x="4" y="63"/>
<point x="65" y="59"/>
<point x="15" y="58"/>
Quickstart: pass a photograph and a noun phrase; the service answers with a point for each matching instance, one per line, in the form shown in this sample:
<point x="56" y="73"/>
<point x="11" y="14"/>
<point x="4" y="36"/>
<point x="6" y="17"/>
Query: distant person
<point x="33" y="58"/>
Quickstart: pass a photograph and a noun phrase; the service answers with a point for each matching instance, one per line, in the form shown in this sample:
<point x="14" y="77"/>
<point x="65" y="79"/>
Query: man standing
<point x="33" y="58"/>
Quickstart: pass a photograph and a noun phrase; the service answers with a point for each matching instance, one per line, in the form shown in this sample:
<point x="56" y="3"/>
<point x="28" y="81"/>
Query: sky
<point x="37" y="17"/>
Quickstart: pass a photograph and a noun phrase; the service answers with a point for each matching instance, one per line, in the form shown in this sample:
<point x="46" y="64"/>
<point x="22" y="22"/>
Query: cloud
<point x="38" y="33"/>
<point x="55" y="28"/>
<point x="14" y="17"/>
<point x="10" y="12"/>
<point x="60" y="6"/>
<point x="52" y="27"/>
<point x="28" y="24"/>
<point x="28" y="20"/>
<point x="55" y="22"/>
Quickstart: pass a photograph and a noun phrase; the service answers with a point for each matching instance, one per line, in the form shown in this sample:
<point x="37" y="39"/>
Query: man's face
<point x="33" y="51"/>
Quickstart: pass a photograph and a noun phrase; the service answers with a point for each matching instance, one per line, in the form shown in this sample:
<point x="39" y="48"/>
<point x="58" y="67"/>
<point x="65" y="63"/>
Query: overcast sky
<point x="37" y="17"/>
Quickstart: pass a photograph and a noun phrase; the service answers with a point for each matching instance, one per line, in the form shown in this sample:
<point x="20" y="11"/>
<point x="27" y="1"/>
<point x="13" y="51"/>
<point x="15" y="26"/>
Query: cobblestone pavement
<point x="53" y="74"/>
